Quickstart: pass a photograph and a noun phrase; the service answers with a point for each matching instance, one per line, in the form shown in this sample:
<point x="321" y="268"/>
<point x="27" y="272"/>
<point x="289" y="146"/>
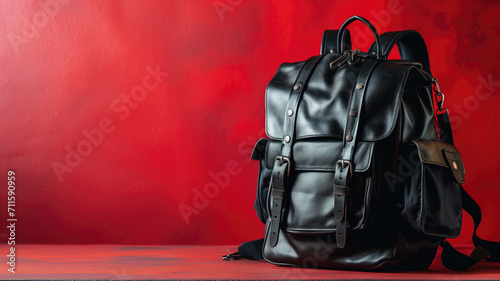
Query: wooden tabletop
<point x="119" y="262"/>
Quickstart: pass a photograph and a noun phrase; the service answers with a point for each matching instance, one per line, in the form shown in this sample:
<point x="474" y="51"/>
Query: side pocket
<point x="259" y="153"/>
<point x="432" y="203"/>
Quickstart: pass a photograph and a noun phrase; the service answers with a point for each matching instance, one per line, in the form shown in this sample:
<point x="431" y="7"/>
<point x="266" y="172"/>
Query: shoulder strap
<point x="411" y="46"/>
<point x="251" y="250"/>
<point x="329" y="42"/>
<point x="451" y="258"/>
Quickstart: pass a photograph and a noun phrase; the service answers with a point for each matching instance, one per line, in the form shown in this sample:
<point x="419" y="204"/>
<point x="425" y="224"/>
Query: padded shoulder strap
<point x="411" y="46"/>
<point x="329" y="42"/>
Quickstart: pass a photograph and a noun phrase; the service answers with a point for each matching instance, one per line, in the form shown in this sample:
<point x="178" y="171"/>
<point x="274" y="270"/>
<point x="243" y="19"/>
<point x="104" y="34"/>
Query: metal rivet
<point x="333" y="51"/>
<point x="287" y="139"/>
<point x="289" y="112"/>
<point x="348" y="138"/>
<point x="455" y="165"/>
<point x="360" y="86"/>
<point x="296" y="87"/>
<point x="353" y="113"/>
<point x="374" y="53"/>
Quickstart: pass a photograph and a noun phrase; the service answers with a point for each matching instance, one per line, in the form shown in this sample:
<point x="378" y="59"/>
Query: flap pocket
<point x="258" y="153"/>
<point x="320" y="155"/>
<point x="442" y="154"/>
<point x="432" y="202"/>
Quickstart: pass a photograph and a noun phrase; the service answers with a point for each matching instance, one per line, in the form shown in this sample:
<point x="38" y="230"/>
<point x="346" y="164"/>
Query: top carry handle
<point x="341" y="43"/>
<point x="329" y="41"/>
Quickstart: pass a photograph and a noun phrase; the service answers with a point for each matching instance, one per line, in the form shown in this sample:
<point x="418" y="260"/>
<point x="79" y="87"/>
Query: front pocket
<point x="309" y="198"/>
<point x="311" y="202"/>
<point x="431" y="198"/>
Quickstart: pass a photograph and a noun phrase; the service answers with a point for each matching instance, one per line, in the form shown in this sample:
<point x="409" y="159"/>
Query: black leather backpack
<point x="360" y="171"/>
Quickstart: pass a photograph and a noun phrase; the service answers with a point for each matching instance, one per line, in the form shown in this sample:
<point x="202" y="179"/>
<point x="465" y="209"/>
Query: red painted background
<point x="115" y="115"/>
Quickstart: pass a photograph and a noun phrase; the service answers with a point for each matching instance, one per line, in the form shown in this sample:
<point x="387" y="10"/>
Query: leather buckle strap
<point x="284" y="159"/>
<point x="345" y="163"/>
<point x="277" y="193"/>
<point x="343" y="175"/>
<point x="344" y="168"/>
<point x="278" y="183"/>
<point x="283" y="163"/>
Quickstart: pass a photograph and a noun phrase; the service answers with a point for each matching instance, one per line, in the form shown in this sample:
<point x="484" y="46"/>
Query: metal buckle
<point x="439" y="95"/>
<point x="284" y="159"/>
<point x="344" y="163"/>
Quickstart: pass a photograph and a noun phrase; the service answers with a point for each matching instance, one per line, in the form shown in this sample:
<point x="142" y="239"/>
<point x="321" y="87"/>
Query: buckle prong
<point x="286" y="160"/>
<point x="345" y="163"/>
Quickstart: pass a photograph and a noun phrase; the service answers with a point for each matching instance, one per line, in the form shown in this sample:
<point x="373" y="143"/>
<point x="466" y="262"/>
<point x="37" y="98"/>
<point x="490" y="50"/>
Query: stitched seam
<point x="304" y="168"/>
<point x="319" y="135"/>
<point x="294" y="229"/>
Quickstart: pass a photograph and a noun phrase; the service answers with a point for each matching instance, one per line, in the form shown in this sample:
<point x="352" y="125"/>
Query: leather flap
<point x="442" y="154"/>
<point x="324" y="105"/>
<point x="455" y="163"/>
<point x="320" y="155"/>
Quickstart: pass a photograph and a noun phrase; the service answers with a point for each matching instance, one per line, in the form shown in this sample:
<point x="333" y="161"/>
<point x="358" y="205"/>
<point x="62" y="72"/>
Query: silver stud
<point x="353" y="113"/>
<point x="360" y="86"/>
<point x="348" y="138"/>
<point x="287" y="139"/>
<point x="333" y="51"/>
<point x="296" y="87"/>
<point x="455" y="166"/>
<point x="374" y="53"/>
<point x="289" y="112"/>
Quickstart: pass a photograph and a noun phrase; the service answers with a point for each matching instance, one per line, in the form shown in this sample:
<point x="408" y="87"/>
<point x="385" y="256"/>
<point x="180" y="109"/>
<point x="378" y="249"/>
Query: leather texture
<point x="356" y="174"/>
<point x="323" y="109"/>
<point x="344" y="167"/>
<point x="282" y="165"/>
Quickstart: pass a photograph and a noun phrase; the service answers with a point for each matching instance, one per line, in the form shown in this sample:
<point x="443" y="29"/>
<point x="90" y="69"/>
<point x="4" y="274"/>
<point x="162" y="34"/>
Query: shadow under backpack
<point x="360" y="171"/>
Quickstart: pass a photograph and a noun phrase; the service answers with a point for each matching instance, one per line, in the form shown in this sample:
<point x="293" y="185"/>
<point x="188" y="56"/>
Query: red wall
<point x="159" y="96"/>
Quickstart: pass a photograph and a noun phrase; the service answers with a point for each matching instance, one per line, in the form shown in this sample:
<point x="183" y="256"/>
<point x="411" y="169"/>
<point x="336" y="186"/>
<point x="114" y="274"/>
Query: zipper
<point x="350" y="57"/>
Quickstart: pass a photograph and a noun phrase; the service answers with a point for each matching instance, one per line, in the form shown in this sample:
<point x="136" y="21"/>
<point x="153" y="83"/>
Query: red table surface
<point x="118" y="262"/>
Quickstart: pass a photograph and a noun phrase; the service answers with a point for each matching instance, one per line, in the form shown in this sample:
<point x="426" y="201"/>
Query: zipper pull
<point x="340" y="61"/>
